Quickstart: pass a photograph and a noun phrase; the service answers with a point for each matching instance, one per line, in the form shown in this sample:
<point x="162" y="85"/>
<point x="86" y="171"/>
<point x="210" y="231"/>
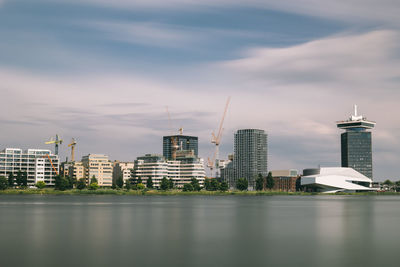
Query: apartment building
<point x="39" y="164"/>
<point x="123" y="169"/>
<point x="99" y="166"/>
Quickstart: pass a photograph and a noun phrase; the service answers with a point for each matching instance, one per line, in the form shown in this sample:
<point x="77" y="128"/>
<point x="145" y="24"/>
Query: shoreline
<point x="123" y="192"/>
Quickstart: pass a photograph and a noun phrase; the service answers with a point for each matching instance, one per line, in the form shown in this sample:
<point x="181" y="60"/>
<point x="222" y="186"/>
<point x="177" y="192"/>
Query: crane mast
<point x="216" y="139"/>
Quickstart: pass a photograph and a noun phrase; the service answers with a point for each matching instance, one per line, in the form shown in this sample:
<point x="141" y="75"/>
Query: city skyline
<point x="103" y="72"/>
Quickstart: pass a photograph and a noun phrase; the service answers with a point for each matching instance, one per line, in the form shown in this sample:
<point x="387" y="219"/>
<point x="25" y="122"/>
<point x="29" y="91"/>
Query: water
<point x="199" y="231"/>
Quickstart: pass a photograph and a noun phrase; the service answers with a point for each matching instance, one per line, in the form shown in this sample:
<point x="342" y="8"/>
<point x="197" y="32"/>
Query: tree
<point x="214" y="185"/>
<point x="11" y="180"/>
<point x="270" y="181"/>
<point x="170" y="184"/>
<point x="93" y="180"/>
<point x="149" y="183"/>
<point x="128" y="184"/>
<point x="93" y="186"/>
<point x="18" y="179"/>
<point x="140" y="186"/>
<point x="139" y="180"/>
<point x="260" y="182"/>
<point x="195" y="184"/>
<point x="61" y="183"/>
<point x="388" y="182"/>
<point x="164" y="185"/>
<point x="120" y="182"/>
<point x="3" y="183"/>
<point x="223" y="186"/>
<point x="24" y="179"/>
<point x="40" y="185"/>
<point x="207" y="184"/>
<point x="188" y="187"/>
<point x="71" y="182"/>
<point x="242" y="184"/>
<point x="81" y="184"/>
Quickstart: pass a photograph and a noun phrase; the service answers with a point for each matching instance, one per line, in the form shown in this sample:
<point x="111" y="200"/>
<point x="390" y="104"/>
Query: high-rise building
<point x="356" y="145"/>
<point x="184" y="142"/>
<point x="35" y="162"/>
<point x="251" y="155"/>
<point x="99" y="166"/>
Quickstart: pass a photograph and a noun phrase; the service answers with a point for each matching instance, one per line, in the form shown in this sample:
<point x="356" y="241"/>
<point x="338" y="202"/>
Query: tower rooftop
<point x="356" y="122"/>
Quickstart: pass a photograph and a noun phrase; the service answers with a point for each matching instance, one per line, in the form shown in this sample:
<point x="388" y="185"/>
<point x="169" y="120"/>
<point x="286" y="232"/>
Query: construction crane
<point x="216" y="139"/>
<point x="72" y="145"/>
<point x="57" y="141"/>
<point x="174" y="140"/>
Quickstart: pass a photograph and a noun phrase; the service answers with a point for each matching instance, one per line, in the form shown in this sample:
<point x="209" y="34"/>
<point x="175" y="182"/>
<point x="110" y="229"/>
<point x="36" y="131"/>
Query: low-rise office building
<point x="39" y="164"/>
<point x="99" y="166"/>
<point x="181" y="170"/>
<point x="285" y="180"/>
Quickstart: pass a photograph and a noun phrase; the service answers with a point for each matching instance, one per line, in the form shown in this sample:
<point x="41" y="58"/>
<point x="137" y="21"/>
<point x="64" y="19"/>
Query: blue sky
<point x="103" y="72"/>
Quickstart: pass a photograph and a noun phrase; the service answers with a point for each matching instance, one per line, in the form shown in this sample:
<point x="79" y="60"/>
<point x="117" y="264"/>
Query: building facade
<point x="123" y="169"/>
<point x="184" y="142"/>
<point x="181" y="170"/>
<point x="99" y="166"/>
<point x="250" y="155"/>
<point x="285" y="180"/>
<point x="39" y="164"/>
<point x="356" y="144"/>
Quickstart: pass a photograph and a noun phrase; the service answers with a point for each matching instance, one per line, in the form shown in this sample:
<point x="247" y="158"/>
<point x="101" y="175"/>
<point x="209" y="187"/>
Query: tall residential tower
<point x="251" y="155"/>
<point x="356" y="143"/>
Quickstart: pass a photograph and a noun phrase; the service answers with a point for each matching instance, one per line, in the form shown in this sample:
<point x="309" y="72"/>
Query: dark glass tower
<point x="251" y="155"/>
<point x="184" y="142"/>
<point x="356" y="143"/>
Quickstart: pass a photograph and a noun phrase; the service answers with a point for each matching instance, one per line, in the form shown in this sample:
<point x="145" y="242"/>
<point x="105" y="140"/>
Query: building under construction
<point x="174" y="143"/>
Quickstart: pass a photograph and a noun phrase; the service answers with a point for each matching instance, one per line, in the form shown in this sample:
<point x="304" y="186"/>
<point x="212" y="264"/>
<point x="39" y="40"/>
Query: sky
<point x="103" y="72"/>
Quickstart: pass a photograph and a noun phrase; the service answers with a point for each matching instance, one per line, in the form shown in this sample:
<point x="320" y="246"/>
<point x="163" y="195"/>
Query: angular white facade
<point x="332" y="180"/>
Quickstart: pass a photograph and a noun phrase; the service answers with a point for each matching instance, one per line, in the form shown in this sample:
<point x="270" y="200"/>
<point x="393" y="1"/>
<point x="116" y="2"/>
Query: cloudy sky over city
<point x="103" y="72"/>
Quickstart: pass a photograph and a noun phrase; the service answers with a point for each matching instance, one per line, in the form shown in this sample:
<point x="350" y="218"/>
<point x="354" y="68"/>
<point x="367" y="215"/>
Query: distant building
<point x="332" y="180"/>
<point x="123" y="169"/>
<point x="251" y="155"/>
<point x="35" y="162"/>
<point x="181" y="171"/>
<point x="184" y="142"/>
<point x="77" y="170"/>
<point x="99" y="166"/>
<point x="285" y="180"/>
<point x="356" y="147"/>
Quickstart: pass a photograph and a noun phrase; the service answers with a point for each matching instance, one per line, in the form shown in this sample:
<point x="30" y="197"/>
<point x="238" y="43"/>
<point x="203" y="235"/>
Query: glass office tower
<point x="356" y="144"/>
<point x="251" y="155"/>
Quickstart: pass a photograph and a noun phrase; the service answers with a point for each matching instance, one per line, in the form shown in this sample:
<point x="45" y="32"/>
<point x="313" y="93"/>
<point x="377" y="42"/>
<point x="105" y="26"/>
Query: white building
<point x="181" y="170"/>
<point x="123" y="169"/>
<point x="332" y="180"/>
<point x="35" y="162"/>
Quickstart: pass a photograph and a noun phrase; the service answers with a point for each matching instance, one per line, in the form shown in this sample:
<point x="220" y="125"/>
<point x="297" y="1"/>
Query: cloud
<point x="356" y="11"/>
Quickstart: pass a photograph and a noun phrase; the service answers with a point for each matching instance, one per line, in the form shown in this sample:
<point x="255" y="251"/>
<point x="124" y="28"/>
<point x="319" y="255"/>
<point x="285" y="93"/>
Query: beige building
<point x="123" y="169"/>
<point x="77" y="170"/>
<point x="99" y="166"/>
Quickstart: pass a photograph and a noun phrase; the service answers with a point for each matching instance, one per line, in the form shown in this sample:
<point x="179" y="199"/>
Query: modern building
<point x="332" y="180"/>
<point x="356" y="144"/>
<point x="77" y="170"/>
<point x="250" y="155"/>
<point x="39" y="164"/>
<point x="123" y="169"/>
<point x="184" y="142"/>
<point x="99" y="166"/>
<point x="285" y="180"/>
<point x="181" y="170"/>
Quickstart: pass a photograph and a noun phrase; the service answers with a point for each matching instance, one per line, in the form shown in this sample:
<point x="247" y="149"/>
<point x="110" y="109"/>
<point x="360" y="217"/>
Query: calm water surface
<point x="199" y="231"/>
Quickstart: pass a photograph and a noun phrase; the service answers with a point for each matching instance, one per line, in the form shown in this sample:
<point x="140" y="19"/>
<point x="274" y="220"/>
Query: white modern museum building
<point x="336" y="179"/>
